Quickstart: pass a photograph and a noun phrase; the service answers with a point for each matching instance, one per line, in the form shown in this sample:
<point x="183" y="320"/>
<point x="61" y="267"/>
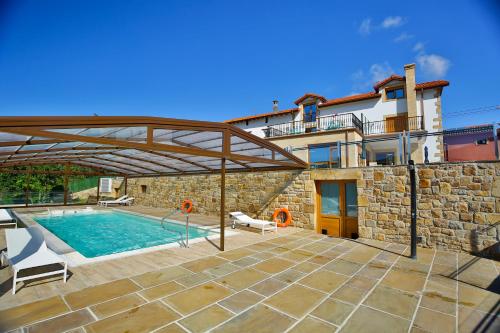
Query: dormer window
<point x="310" y="113"/>
<point x="395" y="93"/>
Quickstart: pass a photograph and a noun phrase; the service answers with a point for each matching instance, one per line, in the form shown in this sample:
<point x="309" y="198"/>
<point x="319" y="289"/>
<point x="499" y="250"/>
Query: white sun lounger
<point x="240" y="218"/>
<point x="6" y="218"/>
<point x="123" y="200"/>
<point x="26" y="248"/>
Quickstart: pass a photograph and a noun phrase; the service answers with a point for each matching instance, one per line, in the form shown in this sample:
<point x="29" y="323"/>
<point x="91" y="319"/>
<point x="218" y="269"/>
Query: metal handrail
<point x="394" y="125"/>
<point x="177" y="210"/>
<point x="322" y="123"/>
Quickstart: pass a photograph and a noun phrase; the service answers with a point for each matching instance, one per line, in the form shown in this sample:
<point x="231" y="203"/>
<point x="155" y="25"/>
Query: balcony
<point x="393" y="125"/>
<point x="324" y="123"/>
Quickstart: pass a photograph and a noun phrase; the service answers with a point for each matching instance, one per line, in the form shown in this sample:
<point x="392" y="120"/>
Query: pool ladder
<point x="177" y="210"/>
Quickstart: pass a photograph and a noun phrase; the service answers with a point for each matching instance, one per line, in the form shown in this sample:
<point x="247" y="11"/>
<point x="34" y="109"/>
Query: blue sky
<point x="215" y="60"/>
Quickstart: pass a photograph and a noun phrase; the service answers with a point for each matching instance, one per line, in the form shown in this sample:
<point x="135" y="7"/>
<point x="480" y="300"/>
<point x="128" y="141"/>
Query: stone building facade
<point x="458" y="203"/>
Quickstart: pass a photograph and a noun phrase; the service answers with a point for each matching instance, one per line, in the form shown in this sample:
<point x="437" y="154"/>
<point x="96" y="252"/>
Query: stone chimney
<point x="411" y="94"/>
<point x="275" y="106"/>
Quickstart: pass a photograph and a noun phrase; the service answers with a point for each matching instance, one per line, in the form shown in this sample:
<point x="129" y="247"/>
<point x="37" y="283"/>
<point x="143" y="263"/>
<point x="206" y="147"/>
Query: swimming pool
<point x="97" y="234"/>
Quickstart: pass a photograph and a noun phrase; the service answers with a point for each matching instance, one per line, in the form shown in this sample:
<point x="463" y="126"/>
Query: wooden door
<point x="396" y="124"/>
<point x="337" y="210"/>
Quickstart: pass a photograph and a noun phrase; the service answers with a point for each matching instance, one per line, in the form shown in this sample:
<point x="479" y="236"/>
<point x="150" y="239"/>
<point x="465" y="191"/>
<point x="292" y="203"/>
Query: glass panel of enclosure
<point x="322" y="156"/>
<point x="351" y="199"/>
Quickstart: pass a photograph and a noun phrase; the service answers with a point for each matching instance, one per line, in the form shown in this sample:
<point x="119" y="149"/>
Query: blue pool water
<point x="97" y="234"/>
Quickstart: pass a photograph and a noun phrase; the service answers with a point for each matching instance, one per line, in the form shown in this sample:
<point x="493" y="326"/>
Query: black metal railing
<point x="393" y="125"/>
<point x="324" y="123"/>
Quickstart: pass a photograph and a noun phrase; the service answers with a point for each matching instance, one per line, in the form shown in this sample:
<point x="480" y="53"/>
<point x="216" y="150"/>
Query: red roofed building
<point x="318" y="128"/>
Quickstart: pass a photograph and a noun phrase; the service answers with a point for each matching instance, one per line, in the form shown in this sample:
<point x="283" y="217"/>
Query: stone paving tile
<point x="404" y="280"/>
<point x="470" y="320"/>
<point x="333" y="311"/>
<point x="62" y="323"/>
<point x="349" y="294"/>
<point x="161" y="290"/>
<point x="117" y="305"/>
<point x="194" y="279"/>
<point x="260" y="319"/>
<point x="361" y="282"/>
<point x="310" y="324"/>
<point x="290" y="275"/>
<point x="161" y="276"/>
<point x="316" y="247"/>
<point x="28" y="313"/>
<point x="361" y="255"/>
<point x="241" y="301"/>
<point x="297" y="255"/>
<point x="100" y="293"/>
<point x="246" y="261"/>
<point x="295" y="300"/>
<point x="242" y="279"/>
<point x="200" y="265"/>
<point x="273" y="265"/>
<point x="321" y="259"/>
<point x="433" y="321"/>
<point x="477" y="298"/>
<point x="236" y="254"/>
<point x="324" y="280"/>
<point x="343" y="267"/>
<point x="172" y="328"/>
<point x="394" y="301"/>
<point x="374" y="269"/>
<point x="306" y="267"/>
<point x="221" y="270"/>
<point x="193" y="299"/>
<point x="205" y="319"/>
<point x="269" y="286"/>
<point x="439" y="298"/>
<point x="264" y="255"/>
<point x="144" y="318"/>
<point x="369" y="320"/>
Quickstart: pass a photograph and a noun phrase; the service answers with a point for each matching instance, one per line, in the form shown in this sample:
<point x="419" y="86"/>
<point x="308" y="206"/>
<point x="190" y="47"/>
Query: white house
<point x="363" y="129"/>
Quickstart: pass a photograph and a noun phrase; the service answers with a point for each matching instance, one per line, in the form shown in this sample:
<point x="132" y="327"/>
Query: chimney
<point x="275" y="106"/>
<point x="411" y="94"/>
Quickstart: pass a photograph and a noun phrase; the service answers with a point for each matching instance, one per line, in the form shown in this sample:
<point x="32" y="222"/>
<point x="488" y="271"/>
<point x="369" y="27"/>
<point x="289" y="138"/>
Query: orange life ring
<point x="187" y="206"/>
<point x="279" y="221"/>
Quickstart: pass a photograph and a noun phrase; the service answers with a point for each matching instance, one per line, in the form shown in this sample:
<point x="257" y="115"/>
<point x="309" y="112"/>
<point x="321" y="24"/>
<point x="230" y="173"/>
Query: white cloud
<point x="402" y="37"/>
<point x="419" y="47"/>
<point x="392" y="22"/>
<point x="364" y="80"/>
<point x="379" y="72"/>
<point x="366" y="27"/>
<point x="433" y="65"/>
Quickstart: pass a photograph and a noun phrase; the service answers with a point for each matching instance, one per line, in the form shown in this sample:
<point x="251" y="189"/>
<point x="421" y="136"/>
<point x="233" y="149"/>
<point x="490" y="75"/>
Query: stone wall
<point x="257" y="194"/>
<point x="458" y="205"/>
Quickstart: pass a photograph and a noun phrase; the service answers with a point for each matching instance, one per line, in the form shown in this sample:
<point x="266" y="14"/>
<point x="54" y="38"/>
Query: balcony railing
<point x="324" y="123"/>
<point x="393" y="125"/>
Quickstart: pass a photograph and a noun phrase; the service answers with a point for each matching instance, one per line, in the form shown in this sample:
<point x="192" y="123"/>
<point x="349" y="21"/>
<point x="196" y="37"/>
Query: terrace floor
<point x="296" y="281"/>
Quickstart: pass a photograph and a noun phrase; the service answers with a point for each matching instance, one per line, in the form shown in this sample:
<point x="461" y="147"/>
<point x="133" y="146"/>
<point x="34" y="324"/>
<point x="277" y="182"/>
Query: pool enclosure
<point x="135" y="147"/>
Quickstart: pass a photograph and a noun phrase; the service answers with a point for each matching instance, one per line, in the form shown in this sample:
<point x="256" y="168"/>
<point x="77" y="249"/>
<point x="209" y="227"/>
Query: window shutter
<point x="105" y="186"/>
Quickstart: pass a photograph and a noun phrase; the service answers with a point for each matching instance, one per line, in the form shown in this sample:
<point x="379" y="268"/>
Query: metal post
<point x="66" y="170"/>
<point x="126" y="184"/>
<point x="187" y="230"/>
<point x="26" y="189"/>
<point x="400" y="148"/>
<point x="339" y="152"/>
<point x="495" y="139"/>
<point x="98" y="188"/>
<point x="413" y="194"/>
<point x="222" y="201"/>
<point x="408" y="147"/>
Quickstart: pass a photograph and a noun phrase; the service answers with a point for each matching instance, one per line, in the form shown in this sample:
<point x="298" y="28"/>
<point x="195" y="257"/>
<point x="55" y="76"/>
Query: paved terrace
<point x="296" y="281"/>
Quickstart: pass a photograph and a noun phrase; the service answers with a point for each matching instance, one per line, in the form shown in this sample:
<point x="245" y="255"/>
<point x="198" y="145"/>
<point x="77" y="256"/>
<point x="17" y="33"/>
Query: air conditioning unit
<point x="105" y="185"/>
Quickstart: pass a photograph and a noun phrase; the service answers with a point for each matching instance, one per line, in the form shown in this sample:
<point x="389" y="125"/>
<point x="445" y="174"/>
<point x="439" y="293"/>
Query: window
<point x="385" y="158"/>
<point x="309" y="113"/>
<point x="105" y="186"/>
<point x="144" y="188"/>
<point x="395" y="93"/>
<point x="246" y="122"/>
<point x="267" y="120"/>
<point x="324" y="156"/>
